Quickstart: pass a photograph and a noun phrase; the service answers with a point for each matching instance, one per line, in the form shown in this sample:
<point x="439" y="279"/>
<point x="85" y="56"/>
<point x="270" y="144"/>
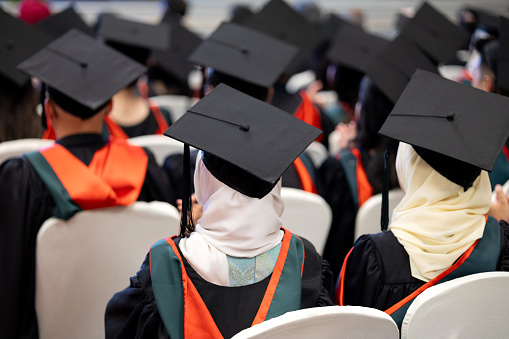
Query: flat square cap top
<point x="245" y="53"/>
<point x="133" y="33"/>
<point x="60" y="23"/>
<point x="280" y="21"/>
<point x="174" y="60"/>
<point x="451" y="119"/>
<point x="82" y="68"/>
<point x="246" y="132"/>
<point x="18" y="41"/>
<point x="435" y="34"/>
<point x="355" y="48"/>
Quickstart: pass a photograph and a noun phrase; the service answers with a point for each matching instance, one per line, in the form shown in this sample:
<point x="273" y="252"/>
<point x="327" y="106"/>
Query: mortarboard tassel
<point x="186" y="221"/>
<point x="384" y="219"/>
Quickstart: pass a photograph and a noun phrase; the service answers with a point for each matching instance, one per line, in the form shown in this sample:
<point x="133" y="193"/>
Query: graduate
<point x="80" y="171"/>
<point x="18" y="98"/>
<point x="238" y="266"/>
<point x="132" y="114"/>
<point x="440" y="230"/>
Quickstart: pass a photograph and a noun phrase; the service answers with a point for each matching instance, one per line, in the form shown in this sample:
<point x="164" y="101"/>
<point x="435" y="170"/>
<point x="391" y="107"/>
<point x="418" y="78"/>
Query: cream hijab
<point x="437" y="220"/>
<point x="232" y="224"/>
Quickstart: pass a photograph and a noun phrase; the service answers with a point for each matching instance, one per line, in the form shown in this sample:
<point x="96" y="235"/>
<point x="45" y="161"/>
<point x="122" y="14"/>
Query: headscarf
<point x="232" y="224"/>
<point x="437" y="220"/>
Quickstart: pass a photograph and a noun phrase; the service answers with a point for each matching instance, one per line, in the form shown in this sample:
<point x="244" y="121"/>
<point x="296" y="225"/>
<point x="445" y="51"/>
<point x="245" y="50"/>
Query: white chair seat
<point x="306" y="214"/>
<point x="367" y="220"/>
<point x="177" y="105"/>
<point x="82" y="262"/>
<point x="326" y="322"/>
<point x="475" y="306"/>
<point x="317" y="152"/>
<point x="160" y="145"/>
<point x="16" y="148"/>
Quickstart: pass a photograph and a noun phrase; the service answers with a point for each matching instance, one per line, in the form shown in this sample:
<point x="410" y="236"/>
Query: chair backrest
<point x="160" y="145"/>
<point x="317" y="152"/>
<point x="475" y="306"/>
<point x="16" y="148"/>
<point x="306" y="214"/>
<point x="82" y="262"/>
<point x="326" y="322"/>
<point x="177" y="105"/>
<point x="367" y="220"/>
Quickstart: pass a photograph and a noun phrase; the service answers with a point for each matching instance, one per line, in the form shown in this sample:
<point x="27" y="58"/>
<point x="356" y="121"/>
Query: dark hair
<point x="248" y="88"/>
<point x="18" y="117"/>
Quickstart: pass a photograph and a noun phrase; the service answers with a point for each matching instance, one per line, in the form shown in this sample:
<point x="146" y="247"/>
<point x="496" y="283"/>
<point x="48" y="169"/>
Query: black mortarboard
<point x="279" y="20"/>
<point x="457" y="129"/>
<point x="244" y="53"/>
<point x="392" y="68"/>
<point x="487" y="21"/>
<point x="17" y="42"/>
<point x="133" y="33"/>
<point x="333" y="24"/>
<point x="435" y="34"/>
<point x="58" y="24"/>
<point x="355" y="48"/>
<point x="241" y="138"/>
<point x="503" y="56"/>
<point x="84" y="72"/>
<point x="174" y="60"/>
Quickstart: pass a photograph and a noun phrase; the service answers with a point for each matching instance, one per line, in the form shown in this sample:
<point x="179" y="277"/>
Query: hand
<point x="197" y="209"/>
<point x="347" y="133"/>
<point x="500" y="207"/>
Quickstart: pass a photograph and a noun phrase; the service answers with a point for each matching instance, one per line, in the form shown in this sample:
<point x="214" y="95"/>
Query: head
<point x="214" y="78"/>
<point x="68" y="117"/>
<point x="485" y="69"/>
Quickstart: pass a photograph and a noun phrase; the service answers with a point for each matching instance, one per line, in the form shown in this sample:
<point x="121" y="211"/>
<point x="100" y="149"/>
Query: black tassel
<point x="186" y="222"/>
<point x="384" y="219"/>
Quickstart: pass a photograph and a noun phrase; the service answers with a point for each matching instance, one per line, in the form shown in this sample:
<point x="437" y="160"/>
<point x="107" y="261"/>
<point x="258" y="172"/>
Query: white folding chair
<point x="475" y="306"/>
<point x="326" y="322"/>
<point x="16" y="148"/>
<point x="82" y="262"/>
<point x="306" y="214"/>
<point x="177" y="105"/>
<point x="317" y="152"/>
<point x="160" y="145"/>
<point x="367" y="220"/>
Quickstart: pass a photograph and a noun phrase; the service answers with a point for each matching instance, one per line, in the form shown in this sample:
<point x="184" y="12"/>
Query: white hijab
<point x="437" y="220"/>
<point x="232" y="224"/>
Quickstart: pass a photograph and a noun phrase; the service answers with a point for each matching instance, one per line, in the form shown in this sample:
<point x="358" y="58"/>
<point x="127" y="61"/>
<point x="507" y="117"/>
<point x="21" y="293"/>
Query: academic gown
<point x="148" y="126"/>
<point x="133" y="313"/>
<point x="25" y="203"/>
<point x="378" y="273"/>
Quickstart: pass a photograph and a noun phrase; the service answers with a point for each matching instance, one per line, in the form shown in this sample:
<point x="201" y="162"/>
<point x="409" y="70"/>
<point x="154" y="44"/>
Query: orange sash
<point x="105" y="182"/>
<point x="364" y="189"/>
<point x="308" y="113"/>
<point x="304" y="177"/>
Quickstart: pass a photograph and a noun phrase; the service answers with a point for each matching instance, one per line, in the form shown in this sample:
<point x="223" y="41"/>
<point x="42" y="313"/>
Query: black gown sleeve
<point x="503" y="262"/>
<point x="333" y="187"/>
<point x="25" y="203"/>
<point x="133" y="313"/>
<point x="362" y="282"/>
<point x="157" y="185"/>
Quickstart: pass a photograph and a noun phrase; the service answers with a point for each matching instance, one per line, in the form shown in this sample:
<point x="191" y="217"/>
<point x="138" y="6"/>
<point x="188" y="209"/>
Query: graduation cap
<point x="392" y="68"/>
<point x="245" y="54"/>
<point x="487" y="21"/>
<point x="241" y="140"/>
<point x="333" y="24"/>
<point x="82" y="73"/>
<point x="279" y="20"/>
<point x="435" y="34"/>
<point x="457" y="129"/>
<point x="18" y="41"/>
<point x="58" y="24"/>
<point x="133" y="33"/>
<point x="355" y="48"/>
<point x="174" y="60"/>
<point x="503" y="56"/>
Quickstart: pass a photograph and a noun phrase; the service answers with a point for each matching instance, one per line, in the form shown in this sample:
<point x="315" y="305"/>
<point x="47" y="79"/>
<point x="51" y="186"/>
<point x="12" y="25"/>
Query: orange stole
<point x="105" y="182"/>
<point x="364" y="189"/>
<point x="308" y="113"/>
<point x="304" y="177"/>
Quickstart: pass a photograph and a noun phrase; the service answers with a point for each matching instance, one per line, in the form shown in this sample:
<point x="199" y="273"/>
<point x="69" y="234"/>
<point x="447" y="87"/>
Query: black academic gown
<point x="148" y="126"/>
<point x="133" y="313"/>
<point x="25" y="203"/>
<point x="378" y="273"/>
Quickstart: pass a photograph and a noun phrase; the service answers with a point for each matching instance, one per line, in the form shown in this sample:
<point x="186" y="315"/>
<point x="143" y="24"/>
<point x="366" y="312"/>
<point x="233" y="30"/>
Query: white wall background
<point x="204" y="15"/>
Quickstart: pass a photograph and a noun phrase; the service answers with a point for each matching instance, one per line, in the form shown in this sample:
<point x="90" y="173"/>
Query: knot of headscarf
<point x="437" y="220"/>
